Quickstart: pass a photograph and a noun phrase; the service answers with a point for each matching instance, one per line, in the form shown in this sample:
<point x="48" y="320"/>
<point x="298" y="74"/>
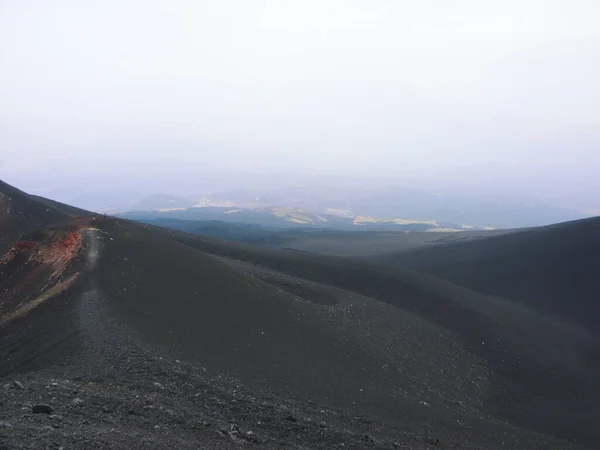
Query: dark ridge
<point x="21" y="213"/>
<point x="554" y="269"/>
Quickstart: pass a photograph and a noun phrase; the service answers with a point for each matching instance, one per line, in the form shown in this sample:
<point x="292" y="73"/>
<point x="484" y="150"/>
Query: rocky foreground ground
<point x="168" y="404"/>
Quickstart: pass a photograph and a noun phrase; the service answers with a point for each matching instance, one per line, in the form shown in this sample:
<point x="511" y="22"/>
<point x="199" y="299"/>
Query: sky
<point x="460" y="92"/>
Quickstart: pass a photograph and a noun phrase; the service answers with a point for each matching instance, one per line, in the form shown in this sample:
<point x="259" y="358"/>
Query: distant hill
<point x="232" y="231"/>
<point x="357" y="242"/>
<point x="278" y="217"/>
<point x="370" y="198"/>
<point x="362" y="200"/>
<point x="161" y="202"/>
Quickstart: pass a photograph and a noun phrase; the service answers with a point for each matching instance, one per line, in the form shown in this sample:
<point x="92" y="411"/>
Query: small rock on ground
<point x="42" y="408"/>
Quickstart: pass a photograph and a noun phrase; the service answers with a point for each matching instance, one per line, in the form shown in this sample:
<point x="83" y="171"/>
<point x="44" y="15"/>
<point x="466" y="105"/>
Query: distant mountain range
<point x="361" y="203"/>
<point x="278" y="217"/>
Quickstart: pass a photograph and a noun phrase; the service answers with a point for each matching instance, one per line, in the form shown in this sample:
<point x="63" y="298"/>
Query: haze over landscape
<point x="299" y="224"/>
<point x="469" y="98"/>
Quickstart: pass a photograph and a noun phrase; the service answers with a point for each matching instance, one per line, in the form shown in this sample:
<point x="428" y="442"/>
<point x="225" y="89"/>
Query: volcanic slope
<point x="540" y="367"/>
<point x="21" y="213"/>
<point x="554" y="269"/>
<point x="145" y="337"/>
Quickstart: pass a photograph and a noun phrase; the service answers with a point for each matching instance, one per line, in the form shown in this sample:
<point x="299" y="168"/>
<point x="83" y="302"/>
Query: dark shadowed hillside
<point x="327" y="241"/>
<point x="554" y="269"/>
<point x="513" y="339"/>
<point x="20" y="213"/>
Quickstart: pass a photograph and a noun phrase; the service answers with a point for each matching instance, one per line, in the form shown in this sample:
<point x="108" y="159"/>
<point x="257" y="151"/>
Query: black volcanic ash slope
<point x="362" y="358"/>
<point x="541" y="368"/>
<point x="555" y="269"/>
<point x="21" y="213"/>
<point x="393" y="341"/>
<point x="229" y="320"/>
<point x="409" y="355"/>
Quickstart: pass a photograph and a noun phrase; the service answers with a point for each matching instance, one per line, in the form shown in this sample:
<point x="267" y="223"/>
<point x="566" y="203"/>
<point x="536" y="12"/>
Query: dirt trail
<point x="92" y="246"/>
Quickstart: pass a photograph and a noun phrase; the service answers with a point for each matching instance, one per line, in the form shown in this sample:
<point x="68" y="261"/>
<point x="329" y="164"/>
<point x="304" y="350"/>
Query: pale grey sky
<point x="494" y="91"/>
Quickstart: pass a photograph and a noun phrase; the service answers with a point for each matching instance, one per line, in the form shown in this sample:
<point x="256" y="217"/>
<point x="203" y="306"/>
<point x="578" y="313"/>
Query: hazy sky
<point x="507" y="89"/>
